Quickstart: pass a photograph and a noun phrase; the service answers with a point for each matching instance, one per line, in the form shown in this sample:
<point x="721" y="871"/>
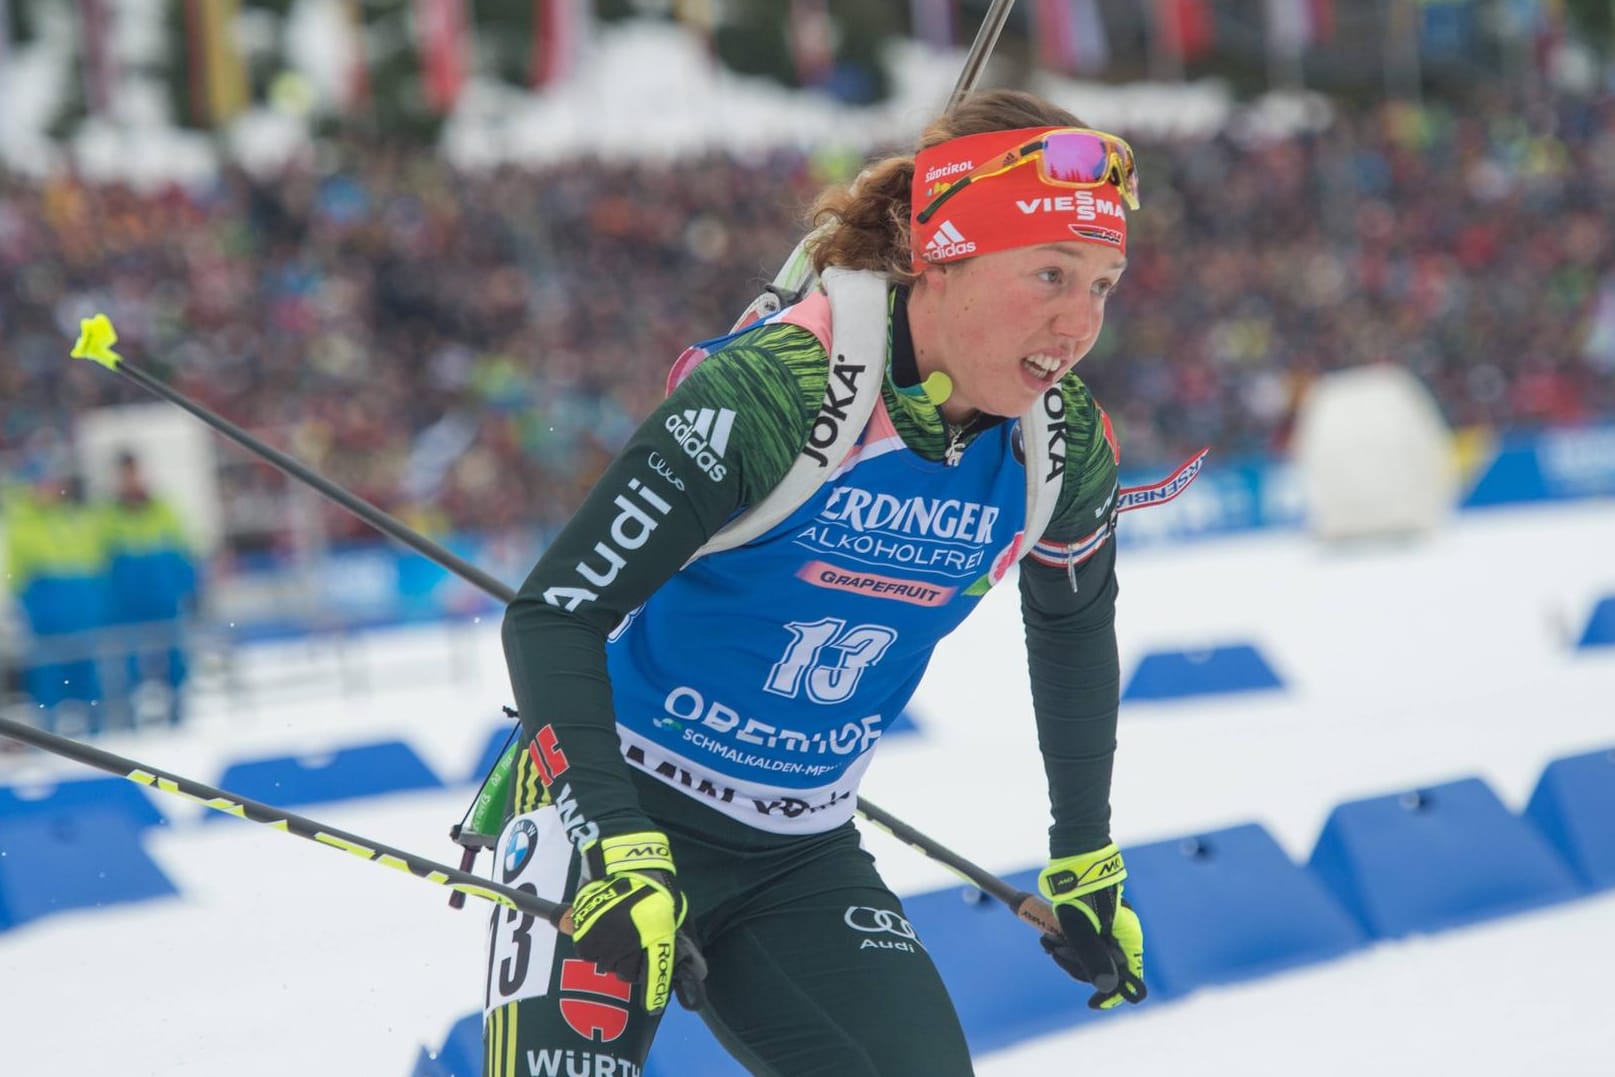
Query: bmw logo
<point x="519" y="847"/>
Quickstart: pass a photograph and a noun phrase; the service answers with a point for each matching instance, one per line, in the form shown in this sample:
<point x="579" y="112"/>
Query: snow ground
<point x="1404" y="666"/>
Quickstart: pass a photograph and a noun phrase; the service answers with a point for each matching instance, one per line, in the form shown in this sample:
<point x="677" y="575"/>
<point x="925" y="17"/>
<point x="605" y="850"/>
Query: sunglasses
<point x="1068" y="157"/>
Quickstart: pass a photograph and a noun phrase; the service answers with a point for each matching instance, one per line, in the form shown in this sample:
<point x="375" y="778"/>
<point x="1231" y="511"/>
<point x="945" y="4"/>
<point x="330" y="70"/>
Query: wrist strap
<point x="644" y="851"/>
<point x="1074" y="876"/>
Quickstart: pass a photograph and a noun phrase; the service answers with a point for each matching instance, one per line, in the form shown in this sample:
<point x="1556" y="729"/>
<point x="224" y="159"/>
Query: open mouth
<point x="1045" y="368"/>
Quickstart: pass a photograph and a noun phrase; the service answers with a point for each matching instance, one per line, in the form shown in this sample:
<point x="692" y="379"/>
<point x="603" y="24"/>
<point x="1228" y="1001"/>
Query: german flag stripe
<point x="530" y="791"/>
<point x="499" y="1042"/>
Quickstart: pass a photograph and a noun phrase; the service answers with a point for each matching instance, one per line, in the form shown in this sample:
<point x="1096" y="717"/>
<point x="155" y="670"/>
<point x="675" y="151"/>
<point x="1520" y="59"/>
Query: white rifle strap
<point x="858" y="321"/>
<point x="1044" y="448"/>
<point x="858" y="317"/>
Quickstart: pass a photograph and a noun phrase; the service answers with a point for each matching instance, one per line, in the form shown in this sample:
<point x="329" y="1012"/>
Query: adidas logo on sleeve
<point x="703" y="434"/>
<point x="948" y="242"/>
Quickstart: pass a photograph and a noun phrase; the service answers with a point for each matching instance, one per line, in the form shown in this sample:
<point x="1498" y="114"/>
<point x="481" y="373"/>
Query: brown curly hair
<point x="865" y="223"/>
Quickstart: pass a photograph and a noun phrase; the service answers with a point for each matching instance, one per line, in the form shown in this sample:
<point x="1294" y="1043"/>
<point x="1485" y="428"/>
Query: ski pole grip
<point x="1037" y="912"/>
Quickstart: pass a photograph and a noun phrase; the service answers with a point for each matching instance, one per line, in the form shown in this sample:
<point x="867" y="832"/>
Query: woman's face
<point x="1005" y="326"/>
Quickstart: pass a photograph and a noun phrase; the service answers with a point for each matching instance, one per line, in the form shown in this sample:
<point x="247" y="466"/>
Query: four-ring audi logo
<point x="879" y="922"/>
<point x="659" y="464"/>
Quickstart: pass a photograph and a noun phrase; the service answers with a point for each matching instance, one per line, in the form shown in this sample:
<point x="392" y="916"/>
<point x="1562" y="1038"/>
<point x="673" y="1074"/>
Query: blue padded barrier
<point x="1600" y="630"/>
<point x="1216" y="671"/>
<point x="117" y="795"/>
<point x="368" y="770"/>
<point x="1004" y="986"/>
<point x="461" y="1053"/>
<point x="1002" y="983"/>
<point x="1574" y="808"/>
<point x="1436" y="858"/>
<point x="427" y="1065"/>
<point x="1007" y="990"/>
<point x="683" y="1046"/>
<point x="1230" y="905"/>
<point x="83" y="857"/>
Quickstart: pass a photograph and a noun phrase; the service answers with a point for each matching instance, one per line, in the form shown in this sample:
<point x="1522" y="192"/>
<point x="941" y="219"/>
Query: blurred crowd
<point x="468" y="349"/>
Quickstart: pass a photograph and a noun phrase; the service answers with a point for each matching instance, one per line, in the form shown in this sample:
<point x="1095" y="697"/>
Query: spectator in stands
<point x="367" y="315"/>
<point x="151" y="589"/>
<point x="55" y="563"/>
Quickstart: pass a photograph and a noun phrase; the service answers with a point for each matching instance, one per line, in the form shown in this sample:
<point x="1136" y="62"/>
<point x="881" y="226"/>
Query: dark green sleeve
<point x="1070" y="618"/>
<point x="720" y="441"/>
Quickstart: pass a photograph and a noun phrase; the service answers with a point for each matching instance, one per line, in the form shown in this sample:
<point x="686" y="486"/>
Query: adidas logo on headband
<point x="948" y="242"/>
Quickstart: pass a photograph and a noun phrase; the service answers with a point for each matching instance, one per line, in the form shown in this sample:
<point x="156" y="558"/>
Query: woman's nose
<point x="1077" y="322"/>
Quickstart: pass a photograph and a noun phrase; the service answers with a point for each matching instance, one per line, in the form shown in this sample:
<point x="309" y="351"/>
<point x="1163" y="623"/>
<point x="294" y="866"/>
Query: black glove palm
<point x="626" y="918"/>
<point x="1101" y="941"/>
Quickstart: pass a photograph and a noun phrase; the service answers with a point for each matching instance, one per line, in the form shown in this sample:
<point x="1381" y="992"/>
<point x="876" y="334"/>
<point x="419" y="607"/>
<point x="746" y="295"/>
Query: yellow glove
<point x="627" y="916"/>
<point x="1101" y="941"/>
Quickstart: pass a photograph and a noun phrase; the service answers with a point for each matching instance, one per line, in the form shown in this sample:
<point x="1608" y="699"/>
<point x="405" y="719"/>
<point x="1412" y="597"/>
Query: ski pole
<point x="96" y="337"/>
<point x="95" y="344"/>
<point x="299" y="826"/>
<point x="1024" y="904"/>
<point x="796" y="275"/>
<point x="689" y="964"/>
<point x="981" y="48"/>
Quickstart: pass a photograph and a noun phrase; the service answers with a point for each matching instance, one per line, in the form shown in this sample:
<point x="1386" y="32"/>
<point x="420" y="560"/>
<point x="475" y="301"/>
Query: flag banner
<point x="812" y="41"/>
<point x="5" y="71"/>
<point x="1052" y="33"/>
<point x="1070" y="36"/>
<point x="932" y="22"/>
<point x="699" y="15"/>
<point x="356" y="93"/>
<point x="1091" y="42"/>
<point x="441" y="35"/>
<point x="1323" y="20"/>
<point x="558" y="29"/>
<point x="99" y="65"/>
<point x="1183" y="28"/>
<point x="1446" y="27"/>
<point x="1517" y="18"/>
<point x="1294" y="26"/>
<point x="217" y="75"/>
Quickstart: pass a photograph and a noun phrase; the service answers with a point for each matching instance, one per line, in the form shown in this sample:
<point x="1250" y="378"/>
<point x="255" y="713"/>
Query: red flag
<point x="1323" y="20"/>
<point x="100" y="67"/>
<point x="1051" y="28"/>
<point x="440" y="34"/>
<point x="557" y="30"/>
<point x="358" y="76"/>
<point x="812" y="41"/>
<point x="1070" y="35"/>
<point x="1184" y="27"/>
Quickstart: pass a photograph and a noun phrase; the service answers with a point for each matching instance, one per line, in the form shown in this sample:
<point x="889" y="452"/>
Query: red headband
<point x="1012" y="209"/>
